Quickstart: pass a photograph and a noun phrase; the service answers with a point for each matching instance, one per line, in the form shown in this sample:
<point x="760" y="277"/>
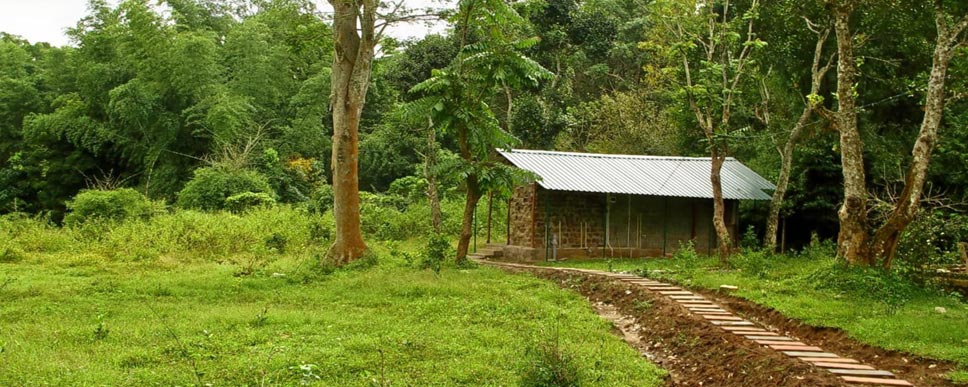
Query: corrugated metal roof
<point x="638" y="175"/>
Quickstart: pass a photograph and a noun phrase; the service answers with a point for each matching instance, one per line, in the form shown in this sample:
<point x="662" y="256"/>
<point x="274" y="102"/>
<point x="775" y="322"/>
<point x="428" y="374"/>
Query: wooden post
<point x="783" y="237"/>
<point x="508" y="220"/>
<point x="490" y="209"/>
<point x="665" y="226"/>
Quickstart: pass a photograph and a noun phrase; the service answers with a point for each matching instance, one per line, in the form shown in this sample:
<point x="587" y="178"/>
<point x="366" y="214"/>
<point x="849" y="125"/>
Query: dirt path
<point x="710" y="345"/>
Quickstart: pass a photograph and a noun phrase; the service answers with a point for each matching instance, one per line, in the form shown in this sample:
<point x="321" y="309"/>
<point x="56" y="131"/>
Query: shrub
<point x="437" y="250"/>
<point x="749" y="240"/>
<point x="210" y="187"/>
<point x="321" y="200"/>
<point x="547" y="364"/>
<point x="413" y="188"/>
<point x="754" y="263"/>
<point x="932" y="239"/>
<point x="686" y="252"/>
<point x="818" y="249"/>
<point x="242" y="202"/>
<point x="113" y="205"/>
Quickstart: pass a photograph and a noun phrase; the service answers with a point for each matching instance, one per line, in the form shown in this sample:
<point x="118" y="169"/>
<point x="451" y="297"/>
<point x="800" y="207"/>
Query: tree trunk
<point x="430" y="166"/>
<point x="490" y="211"/>
<point x="473" y="196"/>
<point x="350" y="78"/>
<point x="885" y="239"/>
<point x="719" y="206"/>
<point x="773" y="218"/>
<point x="852" y="238"/>
<point x="817" y="73"/>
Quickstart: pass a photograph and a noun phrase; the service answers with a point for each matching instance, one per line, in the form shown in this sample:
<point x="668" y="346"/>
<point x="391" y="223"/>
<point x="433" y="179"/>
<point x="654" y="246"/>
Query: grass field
<point x="77" y="319"/>
<point x="876" y="308"/>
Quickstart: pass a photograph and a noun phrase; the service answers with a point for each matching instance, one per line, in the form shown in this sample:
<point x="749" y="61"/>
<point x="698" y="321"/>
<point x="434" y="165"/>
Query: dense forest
<point x="189" y="97"/>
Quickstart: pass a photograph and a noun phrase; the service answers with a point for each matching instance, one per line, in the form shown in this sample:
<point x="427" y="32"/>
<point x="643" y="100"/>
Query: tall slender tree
<point x="456" y="98"/>
<point x="821" y="65"/>
<point x="715" y="51"/>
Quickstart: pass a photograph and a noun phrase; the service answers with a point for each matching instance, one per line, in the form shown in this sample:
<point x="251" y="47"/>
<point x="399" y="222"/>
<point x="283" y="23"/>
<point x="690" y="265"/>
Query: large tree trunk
<point x="719" y="206"/>
<point x="852" y="238"/>
<point x="884" y="243"/>
<point x="350" y="78"/>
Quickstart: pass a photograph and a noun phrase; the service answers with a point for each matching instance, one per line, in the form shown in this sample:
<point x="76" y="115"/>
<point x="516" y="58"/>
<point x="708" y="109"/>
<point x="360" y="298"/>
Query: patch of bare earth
<point x="916" y="369"/>
<point x="694" y="352"/>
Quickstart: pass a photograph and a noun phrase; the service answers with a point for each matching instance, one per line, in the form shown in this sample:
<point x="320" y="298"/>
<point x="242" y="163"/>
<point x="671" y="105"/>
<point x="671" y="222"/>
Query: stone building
<point x="595" y="205"/>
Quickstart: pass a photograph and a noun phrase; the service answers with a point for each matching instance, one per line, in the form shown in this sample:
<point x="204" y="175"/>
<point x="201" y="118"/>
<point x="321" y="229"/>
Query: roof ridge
<point x="607" y="155"/>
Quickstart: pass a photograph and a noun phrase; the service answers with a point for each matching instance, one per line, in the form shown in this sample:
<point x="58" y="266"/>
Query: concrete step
<point x="490" y="252"/>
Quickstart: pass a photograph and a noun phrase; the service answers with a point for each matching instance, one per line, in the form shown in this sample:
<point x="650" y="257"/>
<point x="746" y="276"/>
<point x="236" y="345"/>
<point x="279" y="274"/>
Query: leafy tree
<point x="489" y="61"/>
<point x="854" y="242"/>
<point x="714" y="50"/>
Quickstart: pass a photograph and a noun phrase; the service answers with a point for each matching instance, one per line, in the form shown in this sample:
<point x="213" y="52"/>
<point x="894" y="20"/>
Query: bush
<point x="437" y="250"/>
<point x="413" y="188"/>
<point x="549" y="365"/>
<point x="932" y="239"/>
<point x="321" y="200"/>
<point x="114" y="205"/>
<point x="755" y="263"/>
<point x="210" y="187"/>
<point x="818" y="250"/>
<point x="242" y="202"/>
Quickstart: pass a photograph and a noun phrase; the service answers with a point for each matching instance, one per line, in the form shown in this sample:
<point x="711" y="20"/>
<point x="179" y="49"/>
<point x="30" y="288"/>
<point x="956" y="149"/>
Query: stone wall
<point x="576" y="219"/>
<point x="638" y="226"/>
<point x="521" y="218"/>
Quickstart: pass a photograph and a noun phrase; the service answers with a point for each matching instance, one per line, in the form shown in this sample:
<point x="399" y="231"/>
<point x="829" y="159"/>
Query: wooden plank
<point x="844" y="371"/>
<point x="731" y="323"/>
<point x="777" y="342"/>
<point x="676" y="292"/>
<point x="722" y="318"/>
<point x="743" y="329"/>
<point x="691" y="304"/>
<point x="829" y="360"/>
<point x="754" y="332"/>
<point x="811" y="355"/>
<point x="712" y="313"/>
<point x="757" y="336"/>
<point x="801" y="348"/>
<point x="847" y="366"/>
<point x="881" y="381"/>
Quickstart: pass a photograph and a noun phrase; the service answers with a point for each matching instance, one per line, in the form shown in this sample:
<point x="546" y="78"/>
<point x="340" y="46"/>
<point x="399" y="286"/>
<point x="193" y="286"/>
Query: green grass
<point x="878" y="309"/>
<point x="80" y="319"/>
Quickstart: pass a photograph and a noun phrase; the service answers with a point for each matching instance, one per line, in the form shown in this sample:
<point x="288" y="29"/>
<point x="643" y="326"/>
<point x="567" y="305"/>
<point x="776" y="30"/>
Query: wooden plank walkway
<point x="850" y="370"/>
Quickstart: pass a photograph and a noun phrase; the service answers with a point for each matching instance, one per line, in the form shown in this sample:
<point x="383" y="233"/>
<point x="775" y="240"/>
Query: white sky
<point x="48" y="20"/>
